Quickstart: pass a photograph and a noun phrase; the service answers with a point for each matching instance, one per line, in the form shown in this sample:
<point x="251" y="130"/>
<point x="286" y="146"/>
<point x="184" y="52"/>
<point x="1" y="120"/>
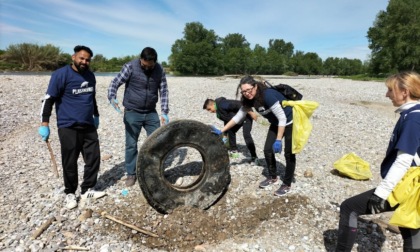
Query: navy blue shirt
<point x="74" y="95"/>
<point x="271" y="96"/>
<point x="405" y="137"/>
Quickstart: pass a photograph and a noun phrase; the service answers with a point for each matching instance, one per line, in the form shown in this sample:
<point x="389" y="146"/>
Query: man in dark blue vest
<point x="72" y="89"/>
<point x="145" y="82"/>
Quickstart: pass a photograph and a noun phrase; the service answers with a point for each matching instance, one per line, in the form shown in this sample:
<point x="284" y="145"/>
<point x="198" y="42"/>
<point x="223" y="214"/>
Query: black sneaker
<point x="269" y="182"/>
<point x="284" y="189"/>
<point x="254" y="161"/>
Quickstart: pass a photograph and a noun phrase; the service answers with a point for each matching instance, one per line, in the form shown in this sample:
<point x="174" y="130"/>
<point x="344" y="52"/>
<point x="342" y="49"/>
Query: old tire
<point x="212" y="181"/>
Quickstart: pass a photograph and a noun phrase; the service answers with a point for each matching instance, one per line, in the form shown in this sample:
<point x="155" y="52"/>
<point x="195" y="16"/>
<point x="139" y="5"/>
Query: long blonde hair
<point x="409" y="81"/>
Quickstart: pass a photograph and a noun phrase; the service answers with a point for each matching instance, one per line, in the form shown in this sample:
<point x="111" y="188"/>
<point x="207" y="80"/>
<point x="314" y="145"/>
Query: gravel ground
<point x="353" y="116"/>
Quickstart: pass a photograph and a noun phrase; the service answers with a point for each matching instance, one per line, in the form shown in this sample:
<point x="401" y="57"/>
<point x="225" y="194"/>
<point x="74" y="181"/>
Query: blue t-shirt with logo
<point x="74" y="94"/>
<point x="272" y="96"/>
<point x="405" y="137"/>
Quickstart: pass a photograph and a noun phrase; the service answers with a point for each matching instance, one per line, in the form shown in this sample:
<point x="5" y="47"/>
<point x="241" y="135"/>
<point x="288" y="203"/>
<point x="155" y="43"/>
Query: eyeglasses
<point x="247" y="91"/>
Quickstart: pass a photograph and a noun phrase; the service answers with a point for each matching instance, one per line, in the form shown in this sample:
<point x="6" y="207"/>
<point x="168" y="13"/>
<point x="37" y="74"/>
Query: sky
<point x="330" y="28"/>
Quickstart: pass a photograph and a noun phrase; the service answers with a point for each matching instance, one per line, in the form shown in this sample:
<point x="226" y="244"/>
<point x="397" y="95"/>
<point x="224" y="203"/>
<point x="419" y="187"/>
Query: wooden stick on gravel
<point x="71" y="247"/>
<point x="388" y="226"/>
<point x="104" y="214"/>
<point x="42" y="228"/>
<point x="54" y="163"/>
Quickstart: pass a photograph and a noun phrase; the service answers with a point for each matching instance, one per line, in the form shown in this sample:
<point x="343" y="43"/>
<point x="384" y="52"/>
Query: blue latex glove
<point x="277" y="146"/>
<point x="44" y="131"/>
<point x="96" y="121"/>
<point x="215" y="130"/>
<point x="225" y="139"/>
<point x="166" y="118"/>
<point x="114" y="104"/>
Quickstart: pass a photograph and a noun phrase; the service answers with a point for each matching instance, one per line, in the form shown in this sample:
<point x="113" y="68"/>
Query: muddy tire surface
<point x="211" y="181"/>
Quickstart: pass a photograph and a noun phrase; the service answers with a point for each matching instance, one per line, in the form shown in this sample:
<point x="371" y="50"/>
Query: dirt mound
<point x="187" y="227"/>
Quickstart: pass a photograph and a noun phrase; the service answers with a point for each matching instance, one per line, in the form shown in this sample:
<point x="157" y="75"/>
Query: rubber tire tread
<point x="215" y="176"/>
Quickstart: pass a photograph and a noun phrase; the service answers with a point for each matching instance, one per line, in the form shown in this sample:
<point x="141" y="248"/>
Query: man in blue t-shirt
<point x="72" y="89"/>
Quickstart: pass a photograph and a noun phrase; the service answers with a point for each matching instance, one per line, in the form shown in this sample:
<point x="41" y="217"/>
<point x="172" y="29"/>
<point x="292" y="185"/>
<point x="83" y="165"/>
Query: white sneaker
<point x="71" y="201"/>
<point x="91" y="194"/>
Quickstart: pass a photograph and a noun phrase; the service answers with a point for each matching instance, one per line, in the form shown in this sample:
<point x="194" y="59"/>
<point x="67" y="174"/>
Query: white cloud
<point x="119" y="27"/>
<point x="5" y="28"/>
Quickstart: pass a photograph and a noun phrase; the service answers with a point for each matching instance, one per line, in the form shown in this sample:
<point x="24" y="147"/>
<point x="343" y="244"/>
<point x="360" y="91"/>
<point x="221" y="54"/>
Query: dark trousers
<point x="246" y="130"/>
<point x="73" y="142"/>
<point x="289" y="156"/>
<point x="351" y="208"/>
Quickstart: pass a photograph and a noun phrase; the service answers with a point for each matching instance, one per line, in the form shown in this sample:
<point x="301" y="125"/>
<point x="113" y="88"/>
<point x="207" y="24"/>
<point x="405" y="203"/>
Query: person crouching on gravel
<point x="225" y="110"/>
<point x="267" y="102"/>
<point x="402" y="153"/>
<point x="72" y="89"/>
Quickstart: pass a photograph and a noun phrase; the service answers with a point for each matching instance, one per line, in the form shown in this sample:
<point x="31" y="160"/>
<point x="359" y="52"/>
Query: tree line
<point x="393" y="40"/>
<point x="233" y="56"/>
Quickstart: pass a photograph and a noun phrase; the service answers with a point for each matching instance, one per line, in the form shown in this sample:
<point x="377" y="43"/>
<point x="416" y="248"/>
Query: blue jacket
<point x="405" y="137"/>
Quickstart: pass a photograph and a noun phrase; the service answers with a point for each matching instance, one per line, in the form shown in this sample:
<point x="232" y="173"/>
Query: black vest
<point x="142" y="92"/>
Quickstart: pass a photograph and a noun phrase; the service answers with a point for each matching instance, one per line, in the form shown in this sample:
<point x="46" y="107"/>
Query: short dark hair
<point x="148" y="54"/>
<point x="207" y="102"/>
<point x="79" y="48"/>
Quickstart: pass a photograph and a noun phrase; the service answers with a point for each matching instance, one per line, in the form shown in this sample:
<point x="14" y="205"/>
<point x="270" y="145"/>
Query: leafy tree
<point x="65" y="59"/>
<point x="394" y="38"/>
<point x="99" y="63"/>
<point x="331" y="66"/>
<point x="306" y="63"/>
<point x="33" y="57"/>
<point x="314" y="63"/>
<point x="237" y="53"/>
<point x="343" y="66"/>
<point x="198" y="53"/>
<point x="297" y="62"/>
<point x="278" y="56"/>
<point x="281" y="47"/>
<point x="350" y="66"/>
<point x="258" y="63"/>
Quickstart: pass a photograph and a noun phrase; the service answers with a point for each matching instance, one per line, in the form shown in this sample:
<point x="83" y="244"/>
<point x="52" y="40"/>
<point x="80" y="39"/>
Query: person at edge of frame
<point x="403" y="89"/>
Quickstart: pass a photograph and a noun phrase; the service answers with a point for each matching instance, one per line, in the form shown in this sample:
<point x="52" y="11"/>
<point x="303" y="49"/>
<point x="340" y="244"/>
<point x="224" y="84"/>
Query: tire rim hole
<point x="183" y="167"/>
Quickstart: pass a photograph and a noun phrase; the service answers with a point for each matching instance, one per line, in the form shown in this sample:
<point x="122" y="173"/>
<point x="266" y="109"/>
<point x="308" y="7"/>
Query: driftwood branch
<point x="42" y="228"/>
<point x="388" y="226"/>
<point x="104" y="214"/>
<point x="71" y="247"/>
<point x="54" y="163"/>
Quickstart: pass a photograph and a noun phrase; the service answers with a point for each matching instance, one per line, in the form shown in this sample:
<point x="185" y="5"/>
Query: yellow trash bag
<point x="302" y="127"/>
<point x="353" y="166"/>
<point x="407" y="194"/>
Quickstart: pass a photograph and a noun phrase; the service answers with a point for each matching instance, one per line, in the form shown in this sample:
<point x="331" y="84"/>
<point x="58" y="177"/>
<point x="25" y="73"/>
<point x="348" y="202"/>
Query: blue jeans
<point x="134" y="121"/>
